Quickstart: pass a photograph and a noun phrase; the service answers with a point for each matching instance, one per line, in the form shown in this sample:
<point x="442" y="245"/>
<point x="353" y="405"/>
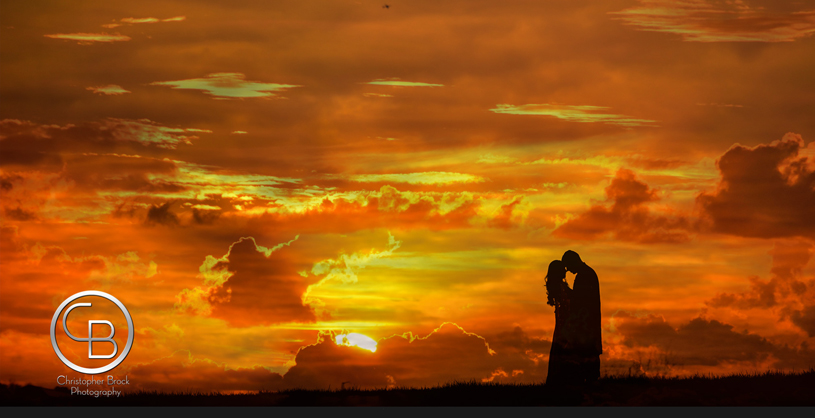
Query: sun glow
<point x="356" y="340"/>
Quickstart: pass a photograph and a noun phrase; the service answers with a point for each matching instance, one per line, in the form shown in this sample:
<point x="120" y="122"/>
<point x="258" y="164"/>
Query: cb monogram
<point x="90" y="340"/>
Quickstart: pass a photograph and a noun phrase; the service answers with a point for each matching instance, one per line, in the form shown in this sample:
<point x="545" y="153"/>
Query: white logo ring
<point x="130" y="333"/>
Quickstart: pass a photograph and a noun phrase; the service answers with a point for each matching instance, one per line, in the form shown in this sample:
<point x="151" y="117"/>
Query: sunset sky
<point x="304" y="193"/>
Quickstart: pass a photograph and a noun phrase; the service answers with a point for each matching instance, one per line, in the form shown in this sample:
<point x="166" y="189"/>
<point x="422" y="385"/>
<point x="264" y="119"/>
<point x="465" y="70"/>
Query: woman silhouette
<point x="559" y="295"/>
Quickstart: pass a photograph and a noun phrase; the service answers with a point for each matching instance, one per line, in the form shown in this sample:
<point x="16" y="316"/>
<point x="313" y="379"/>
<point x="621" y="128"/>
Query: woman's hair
<point x="554" y="278"/>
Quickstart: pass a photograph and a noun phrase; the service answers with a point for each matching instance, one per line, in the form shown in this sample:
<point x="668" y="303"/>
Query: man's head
<point x="572" y="261"/>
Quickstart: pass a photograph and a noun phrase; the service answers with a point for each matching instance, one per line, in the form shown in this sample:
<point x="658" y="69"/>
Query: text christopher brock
<point x="76" y="385"/>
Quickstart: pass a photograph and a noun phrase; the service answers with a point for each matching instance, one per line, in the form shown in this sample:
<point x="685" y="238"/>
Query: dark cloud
<point x="410" y="360"/>
<point x="89" y="157"/>
<point x="519" y="340"/>
<point x="180" y="372"/>
<point x="148" y="211"/>
<point x="7" y="181"/>
<point x="789" y="259"/>
<point x="19" y="214"/>
<point x="119" y="172"/>
<point x="400" y="360"/>
<point x="252" y="285"/>
<point x="760" y="295"/>
<point x="328" y="365"/>
<point x="205" y="217"/>
<point x="627" y="218"/>
<point x="517" y="350"/>
<point x="25" y="144"/>
<point x="766" y="191"/>
<point x="161" y="215"/>
<point x="805" y="318"/>
<point x="127" y="210"/>
<point x="707" y="342"/>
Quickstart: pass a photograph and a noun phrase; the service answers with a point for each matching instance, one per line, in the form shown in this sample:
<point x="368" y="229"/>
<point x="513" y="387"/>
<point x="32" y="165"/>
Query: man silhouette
<point x="584" y="320"/>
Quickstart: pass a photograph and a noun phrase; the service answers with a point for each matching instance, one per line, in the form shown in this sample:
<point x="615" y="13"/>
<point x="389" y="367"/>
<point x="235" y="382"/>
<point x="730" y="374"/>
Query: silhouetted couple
<point x="577" y="342"/>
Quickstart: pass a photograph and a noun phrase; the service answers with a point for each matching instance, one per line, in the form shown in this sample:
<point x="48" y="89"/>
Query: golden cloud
<point x="584" y="114"/>
<point x="400" y="83"/>
<point x="227" y="85"/>
<point x="88" y="38"/>
<point x="134" y="20"/>
<point x="109" y="90"/>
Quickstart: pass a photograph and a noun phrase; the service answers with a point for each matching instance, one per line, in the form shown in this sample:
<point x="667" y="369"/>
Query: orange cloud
<point x="18" y="347"/>
<point x="628" y="218"/>
<point x="503" y="219"/>
<point x="249" y="285"/>
<point x="787" y="293"/>
<point x="765" y="191"/>
<point x="386" y="208"/>
<point x="29" y="268"/>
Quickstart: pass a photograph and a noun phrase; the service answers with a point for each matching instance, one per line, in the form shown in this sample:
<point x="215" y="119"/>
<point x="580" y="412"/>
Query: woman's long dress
<point x="560" y="367"/>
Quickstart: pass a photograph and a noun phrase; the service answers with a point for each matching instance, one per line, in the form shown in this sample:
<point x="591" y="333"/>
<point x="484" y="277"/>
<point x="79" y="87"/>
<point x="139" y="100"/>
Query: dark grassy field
<point x="767" y="389"/>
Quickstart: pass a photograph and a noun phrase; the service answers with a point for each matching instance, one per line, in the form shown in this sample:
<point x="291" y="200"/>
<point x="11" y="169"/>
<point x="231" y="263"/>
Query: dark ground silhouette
<point x="766" y="389"/>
